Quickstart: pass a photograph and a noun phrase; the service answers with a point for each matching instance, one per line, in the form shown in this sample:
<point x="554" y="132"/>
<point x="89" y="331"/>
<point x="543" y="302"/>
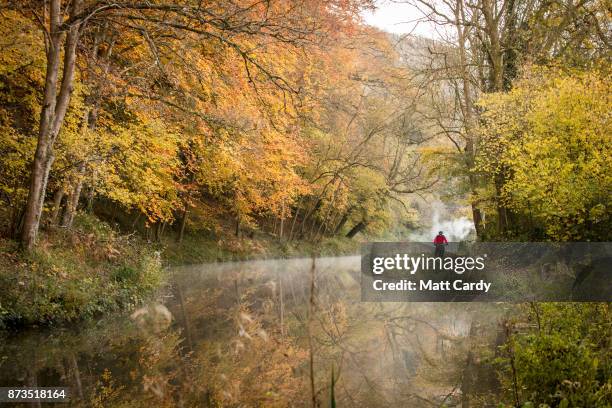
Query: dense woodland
<point x="290" y="118"/>
<point x="299" y="120"/>
<point x="130" y="127"/>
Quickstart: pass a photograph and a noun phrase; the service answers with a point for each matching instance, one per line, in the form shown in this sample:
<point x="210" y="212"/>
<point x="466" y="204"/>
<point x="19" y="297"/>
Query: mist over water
<point x="220" y="323"/>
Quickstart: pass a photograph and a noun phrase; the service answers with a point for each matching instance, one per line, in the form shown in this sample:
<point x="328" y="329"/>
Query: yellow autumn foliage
<point x="550" y="140"/>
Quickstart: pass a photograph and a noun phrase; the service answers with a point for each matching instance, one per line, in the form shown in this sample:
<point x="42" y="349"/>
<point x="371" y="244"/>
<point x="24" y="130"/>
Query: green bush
<point x="567" y="361"/>
<point x="75" y="274"/>
<point x="125" y="273"/>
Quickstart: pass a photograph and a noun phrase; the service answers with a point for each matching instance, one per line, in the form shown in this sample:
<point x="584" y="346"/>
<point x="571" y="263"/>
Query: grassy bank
<point x="75" y="274"/>
<point x="92" y="269"/>
<point x="198" y="249"/>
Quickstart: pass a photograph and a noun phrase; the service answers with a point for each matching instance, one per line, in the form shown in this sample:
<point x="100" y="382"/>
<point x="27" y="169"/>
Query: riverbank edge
<point x="75" y="274"/>
<point x="195" y="250"/>
<point x="92" y="270"/>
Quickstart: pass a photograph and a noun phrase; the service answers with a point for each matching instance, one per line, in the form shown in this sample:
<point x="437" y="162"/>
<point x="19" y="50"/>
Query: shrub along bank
<point x="91" y="269"/>
<point x="74" y="274"/>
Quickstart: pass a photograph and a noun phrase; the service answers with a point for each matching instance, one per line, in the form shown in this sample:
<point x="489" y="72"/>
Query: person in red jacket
<point x="440" y="242"/>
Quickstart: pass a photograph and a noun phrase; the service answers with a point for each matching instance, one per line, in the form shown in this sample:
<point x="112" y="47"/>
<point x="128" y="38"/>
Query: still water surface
<point x="261" y="333"/>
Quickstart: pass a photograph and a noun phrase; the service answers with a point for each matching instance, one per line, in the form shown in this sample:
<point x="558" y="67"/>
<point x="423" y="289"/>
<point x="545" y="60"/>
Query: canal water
<point x="269" y="333"/>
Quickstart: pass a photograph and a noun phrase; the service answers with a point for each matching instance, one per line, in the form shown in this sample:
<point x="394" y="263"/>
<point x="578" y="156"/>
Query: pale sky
<point x="399" y="18"/>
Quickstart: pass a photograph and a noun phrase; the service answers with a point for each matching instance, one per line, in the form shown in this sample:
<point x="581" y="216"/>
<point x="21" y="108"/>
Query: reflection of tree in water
<point x="383" y="354"/>
<point x="102" y="362"/>
<point x="243" y="335"/>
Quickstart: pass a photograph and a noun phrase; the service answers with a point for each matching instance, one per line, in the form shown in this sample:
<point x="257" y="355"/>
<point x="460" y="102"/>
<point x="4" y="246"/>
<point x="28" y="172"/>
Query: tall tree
<point x="481" y="48"/>
<point x="58" y="42"/>
<point x="235" y="25"/>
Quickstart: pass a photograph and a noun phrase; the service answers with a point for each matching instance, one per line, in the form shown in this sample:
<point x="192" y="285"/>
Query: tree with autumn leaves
<point x="238" y="111"/>
<point x="550" y="135"/>
<point x="492" y="57"/>
<point x="291" y="117"/>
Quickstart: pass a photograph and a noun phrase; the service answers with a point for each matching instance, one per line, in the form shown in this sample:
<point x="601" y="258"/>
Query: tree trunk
<point x="502" y="218"/>
<point x="477" y="217"/>
<point x="181" y="233"/>
<point x="496" y="79"/>
<point x="91" y="192"/>
<point x="323" y="225"/>
<point x="476" y="214"/>
<point x="157" y="231"/>
<point x="52" y="115"/>
<point x="295" y="217"/>
<point x="343" y="221"/>
<point x="467" y="106"/>
<point x="510" y="53"/>
<point x="135" y="222"/>
<point x="43" y="160"/>
<point x="282" y="220"/>
<point x="356" y="229"/>
<point x="73" y="202"/>
<point x="17" y="222"/>
<point x="308" y="215"/>
<point x="57" y="205"/>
